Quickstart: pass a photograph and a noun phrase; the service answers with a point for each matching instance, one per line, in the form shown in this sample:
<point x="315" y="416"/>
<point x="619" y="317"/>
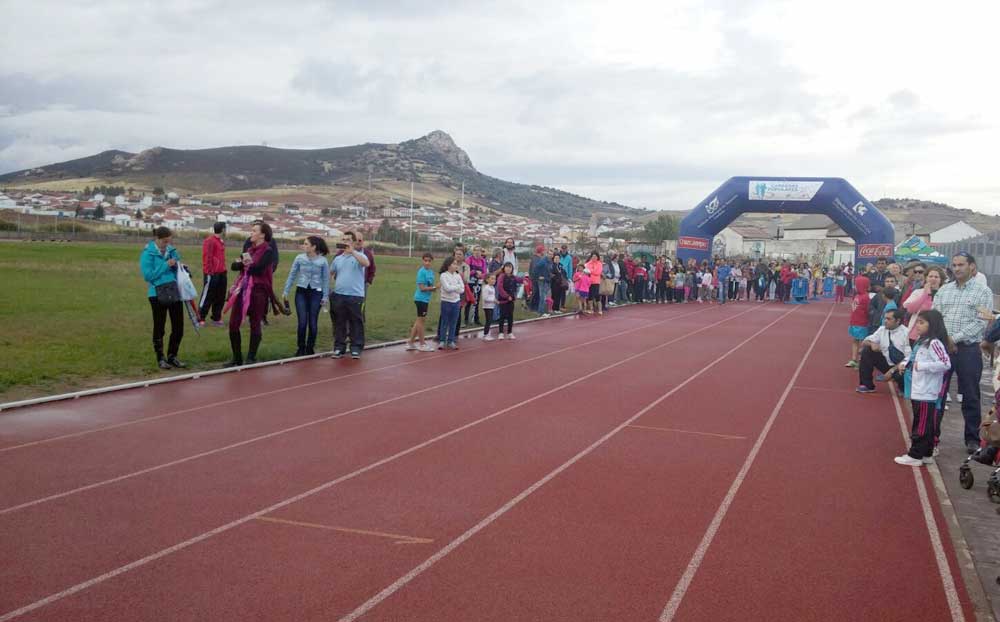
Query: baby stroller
<point x="988" y="454"/>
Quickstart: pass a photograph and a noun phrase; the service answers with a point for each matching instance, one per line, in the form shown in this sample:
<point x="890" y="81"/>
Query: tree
<point x="663" y="228"/>
<point x="157" y="191"/>
<point x="138" y="214"/>
<point x="98" y="213"/>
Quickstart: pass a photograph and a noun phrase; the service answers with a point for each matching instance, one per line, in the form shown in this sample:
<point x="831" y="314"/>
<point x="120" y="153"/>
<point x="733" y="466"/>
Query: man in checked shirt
<point x="959" y="301"/>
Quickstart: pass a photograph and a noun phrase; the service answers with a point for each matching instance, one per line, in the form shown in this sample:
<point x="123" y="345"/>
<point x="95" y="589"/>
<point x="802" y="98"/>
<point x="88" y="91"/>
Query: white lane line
<point x="262" y="437"/>
<point x="174" y="413"/>
<point x="375" y="600"/>
<point x="374" y="465"/>
<point x="692" y="568"/>
<point x="679" y="431"/>
<point x="944" y="570"/>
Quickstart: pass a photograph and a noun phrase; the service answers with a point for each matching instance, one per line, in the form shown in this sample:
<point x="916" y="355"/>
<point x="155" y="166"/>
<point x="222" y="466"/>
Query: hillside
<point x="433" y="160"/>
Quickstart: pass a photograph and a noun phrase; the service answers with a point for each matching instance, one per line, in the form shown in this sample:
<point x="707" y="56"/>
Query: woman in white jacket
<point x="452" y="288"/>
<point x="925" y="368"/>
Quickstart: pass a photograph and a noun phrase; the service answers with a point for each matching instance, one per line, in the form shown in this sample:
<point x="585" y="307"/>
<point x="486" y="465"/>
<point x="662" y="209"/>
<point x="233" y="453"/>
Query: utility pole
<point x="411" y="220"/>
<point x="461" y="215"/>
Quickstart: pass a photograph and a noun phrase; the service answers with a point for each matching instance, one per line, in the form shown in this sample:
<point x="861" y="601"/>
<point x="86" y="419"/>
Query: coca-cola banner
<point x="693" y="243"/>
<point x="875" y="250"/>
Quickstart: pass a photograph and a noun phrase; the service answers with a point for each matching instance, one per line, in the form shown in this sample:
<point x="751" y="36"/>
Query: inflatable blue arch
<point x="873" y="234"/>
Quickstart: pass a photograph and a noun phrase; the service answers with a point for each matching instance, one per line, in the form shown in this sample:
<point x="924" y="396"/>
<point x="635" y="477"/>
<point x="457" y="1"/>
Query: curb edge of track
<point x="143" y="384"/>
<point x="974" y="587"/>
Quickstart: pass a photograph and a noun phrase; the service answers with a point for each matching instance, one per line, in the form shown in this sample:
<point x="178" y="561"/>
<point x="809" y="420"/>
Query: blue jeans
<point x="307" y="304"/>
<point x="449" y="318"/>
<point x="544" y="291"/>
<point x="967" y="364"/>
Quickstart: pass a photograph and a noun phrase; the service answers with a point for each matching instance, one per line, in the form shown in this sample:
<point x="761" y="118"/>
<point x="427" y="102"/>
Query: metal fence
<point x="986" y="250"/>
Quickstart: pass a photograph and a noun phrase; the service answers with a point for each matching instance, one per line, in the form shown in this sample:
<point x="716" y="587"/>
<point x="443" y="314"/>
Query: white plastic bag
<point x="185" y="285"/>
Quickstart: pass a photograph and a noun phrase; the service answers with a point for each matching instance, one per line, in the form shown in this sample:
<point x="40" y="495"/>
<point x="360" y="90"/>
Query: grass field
<point x="75" y="316"/>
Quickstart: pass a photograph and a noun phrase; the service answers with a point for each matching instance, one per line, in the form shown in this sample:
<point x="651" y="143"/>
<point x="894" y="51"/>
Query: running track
<point x="660" y="463"/>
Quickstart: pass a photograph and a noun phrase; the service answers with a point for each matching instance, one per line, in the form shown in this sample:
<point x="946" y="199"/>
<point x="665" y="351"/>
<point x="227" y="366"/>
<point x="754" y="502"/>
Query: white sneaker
<point x="501" y="337"/>
<point x="511" y="336"/>
<point x="906" y="460"/>
<point x="544" y="315"/>
<point x="411" y="347"/>
<point x="426" y="348"/>
<point x="488" y="338"/>
<point x="935" y="452"/>
<point x="927" y="460"/>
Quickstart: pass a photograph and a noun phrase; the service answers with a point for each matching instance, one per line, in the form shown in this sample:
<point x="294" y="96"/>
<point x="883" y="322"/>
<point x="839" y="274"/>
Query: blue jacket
<point x="724" y="272"/>
<point x="154" y="266"/>
<point x="541" y="268"/>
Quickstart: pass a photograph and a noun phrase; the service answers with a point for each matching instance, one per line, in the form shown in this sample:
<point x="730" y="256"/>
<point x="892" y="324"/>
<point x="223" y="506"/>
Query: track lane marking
<point x="234" y="400"/>
<point x="720" y="514"/>
<point x="79" y="587"/>
<point x="375" y="600"/>
<point x="262" y="437"/>
<point x="944" y="569"/>
<point x="400" y="539"/>
<point x="646" y="427"/>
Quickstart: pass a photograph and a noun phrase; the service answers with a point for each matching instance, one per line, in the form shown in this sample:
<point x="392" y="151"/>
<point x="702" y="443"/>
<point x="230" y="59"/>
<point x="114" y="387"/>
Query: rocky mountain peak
<point x="440" y="143"/>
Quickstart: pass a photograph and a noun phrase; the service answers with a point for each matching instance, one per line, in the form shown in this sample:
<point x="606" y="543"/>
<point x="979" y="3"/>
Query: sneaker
<point x="851" y="363"/>
<point x="410" y="347"/>
<point x="452" y="346"/>
<point x="906" y="460"/>
<point x="971" y="447"/>
<point x="511" y="336"/>
<point x="600" y="313"/>
<point x="201" y="323"/>
<point x="863" y="389"/>
<point x="175" y="362"/>
<point x="163" y="364"/>
<point x="488" y="338"/>
<point x="337" y="354"/>
<point x="927" y="460"/>
<point x="355" y="355"/>
<point x="935" y="452"/>
<point x="544" y="315"/>
<point x="501" y="337"/>
<point x="426" y="348"/>
<point x="219" y="324"/>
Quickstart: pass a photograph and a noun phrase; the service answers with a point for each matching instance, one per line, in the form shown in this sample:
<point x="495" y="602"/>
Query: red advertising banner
<point x="874" y="250"/>
<point x="693" y="243"/>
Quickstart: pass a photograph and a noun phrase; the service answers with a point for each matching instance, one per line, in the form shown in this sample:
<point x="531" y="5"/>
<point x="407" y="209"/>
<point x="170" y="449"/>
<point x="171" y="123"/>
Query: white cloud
<point x="645" y="103"/>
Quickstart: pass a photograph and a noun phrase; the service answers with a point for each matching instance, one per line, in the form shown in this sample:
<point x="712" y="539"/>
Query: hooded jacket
<point x="859" y="306"/>
<point x="155" y="269"/>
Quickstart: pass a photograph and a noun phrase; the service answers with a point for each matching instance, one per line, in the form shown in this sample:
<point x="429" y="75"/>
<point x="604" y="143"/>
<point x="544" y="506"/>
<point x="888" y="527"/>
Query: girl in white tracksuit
<point x="925" y="368"/>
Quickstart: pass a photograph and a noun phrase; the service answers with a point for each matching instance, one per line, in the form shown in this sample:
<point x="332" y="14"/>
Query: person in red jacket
<point x="213" y="266"/>
<point x="787" y="275"/>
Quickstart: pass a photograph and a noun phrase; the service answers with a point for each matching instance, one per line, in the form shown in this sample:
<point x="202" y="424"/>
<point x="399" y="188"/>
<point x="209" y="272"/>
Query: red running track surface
<point x="660" y="463"/>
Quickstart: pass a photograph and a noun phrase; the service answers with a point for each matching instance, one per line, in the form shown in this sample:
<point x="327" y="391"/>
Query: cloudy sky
<point x="650" y="104"/>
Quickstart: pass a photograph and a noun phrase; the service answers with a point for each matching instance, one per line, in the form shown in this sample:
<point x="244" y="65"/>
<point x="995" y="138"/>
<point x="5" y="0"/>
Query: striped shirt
<point x="959" y="306"/>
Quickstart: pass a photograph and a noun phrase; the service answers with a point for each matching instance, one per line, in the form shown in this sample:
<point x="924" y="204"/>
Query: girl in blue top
<point x="159" y="263"/>
<point x="311" y="276"/>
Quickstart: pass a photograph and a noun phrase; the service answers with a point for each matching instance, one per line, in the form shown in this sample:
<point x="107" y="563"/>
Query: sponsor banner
<point x="875" y="250"/>
<point x="693" y="243"/>
<point x="783" y="190"/>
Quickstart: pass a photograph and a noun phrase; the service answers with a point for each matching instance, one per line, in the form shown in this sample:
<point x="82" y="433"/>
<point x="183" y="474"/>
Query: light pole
<point x="411" y="220"/>
<point x="461" y="215"/>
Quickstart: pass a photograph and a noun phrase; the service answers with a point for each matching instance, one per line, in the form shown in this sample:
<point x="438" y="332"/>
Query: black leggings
<point x="506" y="315"/>
<point x="160" y="312"/>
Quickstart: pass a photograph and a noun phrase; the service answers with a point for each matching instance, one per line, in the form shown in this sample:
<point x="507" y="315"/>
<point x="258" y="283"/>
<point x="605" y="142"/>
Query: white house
<point x="97" y="198"/>
<point x="147" y="201"/>
<point x="7" y="202"/>
<point x="954" y="232"/>
<point x="120" y="200"/>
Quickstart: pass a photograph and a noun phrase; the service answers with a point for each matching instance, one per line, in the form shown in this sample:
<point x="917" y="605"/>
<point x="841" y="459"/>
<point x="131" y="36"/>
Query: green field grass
<point x="76" y="316"/>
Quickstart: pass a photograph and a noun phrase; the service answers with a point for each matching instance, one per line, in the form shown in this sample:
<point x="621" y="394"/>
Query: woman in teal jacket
<point x="159" y="263"/>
